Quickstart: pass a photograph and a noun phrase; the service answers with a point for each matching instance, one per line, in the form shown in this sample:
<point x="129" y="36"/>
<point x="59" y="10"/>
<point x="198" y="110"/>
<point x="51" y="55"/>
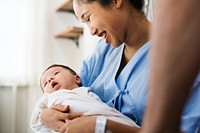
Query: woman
<point x="118" y="69"/>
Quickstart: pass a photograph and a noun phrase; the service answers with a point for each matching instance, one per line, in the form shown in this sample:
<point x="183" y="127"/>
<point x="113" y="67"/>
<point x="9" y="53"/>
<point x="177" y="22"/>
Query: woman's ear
<point x="117" y="3"/>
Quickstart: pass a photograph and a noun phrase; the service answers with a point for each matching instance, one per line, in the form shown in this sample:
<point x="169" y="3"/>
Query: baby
<point x="61" y="85"/>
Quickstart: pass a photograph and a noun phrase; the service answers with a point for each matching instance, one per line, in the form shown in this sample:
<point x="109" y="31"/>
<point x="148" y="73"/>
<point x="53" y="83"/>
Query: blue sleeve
<point x="191" y="114"/>
<point x="86" y="70"/>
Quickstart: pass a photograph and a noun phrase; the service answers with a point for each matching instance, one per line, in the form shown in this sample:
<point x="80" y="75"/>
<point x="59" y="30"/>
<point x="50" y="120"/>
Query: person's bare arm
<point x="86" y="124"/>
<point x="175" y="63"/>
<point x="115" y="127"/>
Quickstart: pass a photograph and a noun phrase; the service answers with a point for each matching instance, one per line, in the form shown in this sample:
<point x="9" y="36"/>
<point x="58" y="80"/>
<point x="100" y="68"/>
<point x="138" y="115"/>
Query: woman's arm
<point x="86" y="124"/>
<point x="175" y="63"/>
<point x="115" y="127"/>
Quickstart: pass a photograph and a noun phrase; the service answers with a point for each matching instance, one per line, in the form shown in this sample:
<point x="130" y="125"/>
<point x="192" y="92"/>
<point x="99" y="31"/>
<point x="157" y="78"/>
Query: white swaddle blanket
<point x="80" y="100"/>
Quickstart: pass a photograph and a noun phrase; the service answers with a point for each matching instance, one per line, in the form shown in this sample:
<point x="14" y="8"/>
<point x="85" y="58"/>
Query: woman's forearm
<point x="115" y="127"/>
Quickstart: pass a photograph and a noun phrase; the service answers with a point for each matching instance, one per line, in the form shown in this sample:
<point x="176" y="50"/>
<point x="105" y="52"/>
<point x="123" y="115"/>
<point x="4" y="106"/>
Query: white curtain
<point x="13" y="40"/>
<point x="22" y="33"/>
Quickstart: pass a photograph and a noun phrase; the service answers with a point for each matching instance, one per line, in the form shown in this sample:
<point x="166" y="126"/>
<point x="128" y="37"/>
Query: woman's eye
<point x="88" y="19"/>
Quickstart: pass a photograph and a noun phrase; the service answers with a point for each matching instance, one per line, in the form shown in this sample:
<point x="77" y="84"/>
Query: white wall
<point x="64" y="51"/>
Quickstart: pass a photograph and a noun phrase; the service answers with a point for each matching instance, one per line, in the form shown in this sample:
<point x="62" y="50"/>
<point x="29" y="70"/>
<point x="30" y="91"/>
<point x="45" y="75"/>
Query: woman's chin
<point x="115" y="45"/>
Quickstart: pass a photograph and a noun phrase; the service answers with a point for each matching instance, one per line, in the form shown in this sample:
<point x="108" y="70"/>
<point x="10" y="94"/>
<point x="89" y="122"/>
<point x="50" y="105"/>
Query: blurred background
<point x="28" y="45"/>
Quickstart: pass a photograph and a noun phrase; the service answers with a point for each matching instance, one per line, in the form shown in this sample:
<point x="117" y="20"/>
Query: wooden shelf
<point x="71" y="33"/>
<point x="66" y="7"/>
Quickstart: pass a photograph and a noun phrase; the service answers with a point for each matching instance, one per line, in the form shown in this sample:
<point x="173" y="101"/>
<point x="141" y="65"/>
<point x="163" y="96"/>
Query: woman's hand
<point x="84" y="124"/>
<point x="55" y="116"/>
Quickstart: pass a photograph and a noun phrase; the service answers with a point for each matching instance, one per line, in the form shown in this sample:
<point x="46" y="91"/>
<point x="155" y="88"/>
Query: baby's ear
<point x="77" y="80"/>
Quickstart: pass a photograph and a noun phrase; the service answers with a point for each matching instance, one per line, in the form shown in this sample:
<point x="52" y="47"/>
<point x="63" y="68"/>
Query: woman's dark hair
<point x="137" y="4"/>
<point x="63" y="66"/>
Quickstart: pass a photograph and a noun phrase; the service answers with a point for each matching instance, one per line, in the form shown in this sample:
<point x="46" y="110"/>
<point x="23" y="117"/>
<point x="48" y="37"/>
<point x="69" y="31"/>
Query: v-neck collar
<point x="122" y="78"/>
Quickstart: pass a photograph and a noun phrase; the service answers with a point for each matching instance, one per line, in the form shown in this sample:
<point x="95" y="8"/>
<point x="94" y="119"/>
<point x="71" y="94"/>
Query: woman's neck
<point x="138" y="32"/>
<point x="137" y="36"/>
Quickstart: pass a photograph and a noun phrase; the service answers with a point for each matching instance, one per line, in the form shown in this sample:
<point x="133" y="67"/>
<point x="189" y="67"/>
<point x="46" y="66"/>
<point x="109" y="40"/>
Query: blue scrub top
<point x="128" y="92"/>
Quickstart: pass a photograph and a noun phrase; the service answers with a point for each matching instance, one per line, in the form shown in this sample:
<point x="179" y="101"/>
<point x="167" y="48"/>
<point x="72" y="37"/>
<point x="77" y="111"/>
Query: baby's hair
<point x="58" y="65"/>
<point x="63" y="66"/>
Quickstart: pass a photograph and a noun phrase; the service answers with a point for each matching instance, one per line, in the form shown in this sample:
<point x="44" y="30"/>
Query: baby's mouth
<point x="53" y="84"/>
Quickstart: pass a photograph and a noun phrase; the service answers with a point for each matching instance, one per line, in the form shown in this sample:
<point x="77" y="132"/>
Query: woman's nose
<point x="93" y="31"/>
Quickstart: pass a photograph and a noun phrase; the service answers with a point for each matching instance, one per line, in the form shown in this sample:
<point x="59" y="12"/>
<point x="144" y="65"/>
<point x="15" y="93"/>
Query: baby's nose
<point x="50" y="79"/>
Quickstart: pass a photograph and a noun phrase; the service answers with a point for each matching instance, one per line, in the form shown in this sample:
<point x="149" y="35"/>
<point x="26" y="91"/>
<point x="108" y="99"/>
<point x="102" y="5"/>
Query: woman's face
<point x="56" y="78"/>
<point x="103" y="22"/>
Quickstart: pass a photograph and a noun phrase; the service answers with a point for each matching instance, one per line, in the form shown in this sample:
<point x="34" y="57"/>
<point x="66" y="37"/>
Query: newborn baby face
<point x="56" y="78"/>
